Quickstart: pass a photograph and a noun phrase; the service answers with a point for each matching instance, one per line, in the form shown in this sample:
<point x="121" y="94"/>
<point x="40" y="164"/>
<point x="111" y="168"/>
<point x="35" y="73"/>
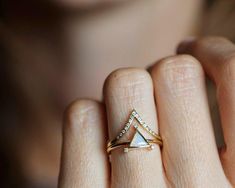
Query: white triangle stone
<point x="138" y="140"/>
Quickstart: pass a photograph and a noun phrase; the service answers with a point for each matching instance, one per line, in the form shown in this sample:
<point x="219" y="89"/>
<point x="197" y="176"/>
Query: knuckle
<point x="178" y="73"/>
<point x="79" y="112"/>
<point x="125" y="78"/>
<point x="207" y="42"/>
<point x="224" y="54"/>
<point x="212" y="39"/>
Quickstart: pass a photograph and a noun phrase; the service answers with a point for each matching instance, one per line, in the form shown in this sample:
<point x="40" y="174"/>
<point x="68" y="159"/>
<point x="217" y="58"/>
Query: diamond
<point x="126" y="150"/>
<point x="152" y="147"/>
<point x="138" y="140"/>
<point x="134" y="112"/>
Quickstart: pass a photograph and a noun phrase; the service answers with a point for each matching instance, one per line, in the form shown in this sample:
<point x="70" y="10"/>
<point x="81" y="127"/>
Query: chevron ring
<point x="138" y="140"/>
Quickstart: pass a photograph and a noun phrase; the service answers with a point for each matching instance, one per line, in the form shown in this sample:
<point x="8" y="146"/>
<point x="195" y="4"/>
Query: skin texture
<point x="189" y="157"/>
<point x="128" y="89"/>
<point x="55" y="55"/>
<point x="84" y="134"/>
<point x="218" y="59"/>
<point x="186" y="125"/>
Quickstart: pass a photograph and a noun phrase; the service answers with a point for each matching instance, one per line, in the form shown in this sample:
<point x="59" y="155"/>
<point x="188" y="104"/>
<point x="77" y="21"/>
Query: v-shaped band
<point x="138" y="140"/>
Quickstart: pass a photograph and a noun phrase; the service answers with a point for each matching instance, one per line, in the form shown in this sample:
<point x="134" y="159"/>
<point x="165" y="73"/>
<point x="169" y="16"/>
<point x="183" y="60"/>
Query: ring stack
<point x="138" y="141"/>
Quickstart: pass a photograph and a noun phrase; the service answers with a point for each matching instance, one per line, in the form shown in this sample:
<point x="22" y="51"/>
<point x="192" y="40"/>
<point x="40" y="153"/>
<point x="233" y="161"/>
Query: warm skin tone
<point x="189" y="156"/>
<point x="189" y="153"/>
<point x="68" y="56"/>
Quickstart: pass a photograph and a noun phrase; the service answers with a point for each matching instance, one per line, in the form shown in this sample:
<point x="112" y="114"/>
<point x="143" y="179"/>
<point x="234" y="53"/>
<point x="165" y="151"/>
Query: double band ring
<point x="138" y="141"/>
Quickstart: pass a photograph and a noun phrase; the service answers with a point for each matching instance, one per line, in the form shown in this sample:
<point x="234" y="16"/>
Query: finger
<point x="84" y="160"/>
<point x="190" y="155"/>
<point x="124" y="90"/>
<point x="217" y="56"/>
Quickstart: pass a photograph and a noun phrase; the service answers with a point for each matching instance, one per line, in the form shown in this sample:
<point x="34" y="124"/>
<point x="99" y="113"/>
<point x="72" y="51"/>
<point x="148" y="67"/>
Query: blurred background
<point x="55" y="51"/>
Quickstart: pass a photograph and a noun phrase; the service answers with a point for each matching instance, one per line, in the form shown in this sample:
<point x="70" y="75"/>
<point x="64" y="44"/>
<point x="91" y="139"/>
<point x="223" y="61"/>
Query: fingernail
<point x="183" y="46"/>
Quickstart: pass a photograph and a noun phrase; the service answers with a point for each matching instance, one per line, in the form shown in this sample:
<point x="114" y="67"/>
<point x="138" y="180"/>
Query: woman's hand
<point x="189" y="156"/>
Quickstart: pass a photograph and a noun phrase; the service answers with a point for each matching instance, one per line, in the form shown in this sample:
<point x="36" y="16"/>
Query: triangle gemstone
<point x="138" y="140"/>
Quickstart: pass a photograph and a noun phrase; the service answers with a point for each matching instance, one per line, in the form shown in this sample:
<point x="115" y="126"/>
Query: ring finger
<point x="124" y="90"/>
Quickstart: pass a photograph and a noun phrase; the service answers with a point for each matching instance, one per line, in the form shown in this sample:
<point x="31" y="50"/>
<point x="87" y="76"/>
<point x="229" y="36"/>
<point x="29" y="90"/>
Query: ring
<point x="138" y="141"/>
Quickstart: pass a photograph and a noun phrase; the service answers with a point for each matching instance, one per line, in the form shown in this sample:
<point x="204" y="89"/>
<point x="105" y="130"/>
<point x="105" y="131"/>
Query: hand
<point x="189" y="156"/>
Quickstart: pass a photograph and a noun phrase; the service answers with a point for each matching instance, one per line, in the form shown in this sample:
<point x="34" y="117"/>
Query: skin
<point x="189" y="156"/>
<point x="59" y="76"/>
<point x="59" y="49"/>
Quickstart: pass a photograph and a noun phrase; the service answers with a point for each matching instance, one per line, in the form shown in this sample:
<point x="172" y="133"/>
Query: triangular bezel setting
<point x="138" y="140"/>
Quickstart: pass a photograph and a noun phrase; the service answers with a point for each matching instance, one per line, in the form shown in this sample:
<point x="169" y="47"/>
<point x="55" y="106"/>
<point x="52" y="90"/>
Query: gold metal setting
<point x="138" y="141"/>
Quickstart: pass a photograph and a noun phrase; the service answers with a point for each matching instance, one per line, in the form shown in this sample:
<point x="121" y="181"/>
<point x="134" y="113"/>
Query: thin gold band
<point x="126" y="144"/>
<point x="157" y="137"/>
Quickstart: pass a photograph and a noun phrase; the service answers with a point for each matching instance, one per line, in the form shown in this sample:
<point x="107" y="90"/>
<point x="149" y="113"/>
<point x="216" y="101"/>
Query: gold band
<point x="138" y="141"/>
<point x="127" y="145"/>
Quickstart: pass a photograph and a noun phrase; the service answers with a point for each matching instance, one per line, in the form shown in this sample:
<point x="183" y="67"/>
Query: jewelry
<point x="138" y="141"/>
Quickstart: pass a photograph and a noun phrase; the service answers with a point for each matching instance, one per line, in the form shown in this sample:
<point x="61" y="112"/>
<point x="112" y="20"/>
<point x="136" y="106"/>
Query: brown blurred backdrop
<point x="41" y="71"/>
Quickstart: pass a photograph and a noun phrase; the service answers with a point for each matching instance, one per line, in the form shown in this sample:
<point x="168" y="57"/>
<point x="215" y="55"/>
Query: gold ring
<point x="138" y="141"/>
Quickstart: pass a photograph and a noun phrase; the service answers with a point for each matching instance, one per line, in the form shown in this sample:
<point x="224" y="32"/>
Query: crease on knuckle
<point x="128" y="83"/>
<point x="81" y="113"/>
<point x="180" y="75"/>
